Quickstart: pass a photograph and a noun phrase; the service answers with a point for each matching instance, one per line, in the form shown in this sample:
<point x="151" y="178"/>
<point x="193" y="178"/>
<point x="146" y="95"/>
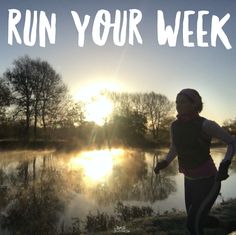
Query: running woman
<point x="191" y="137"/>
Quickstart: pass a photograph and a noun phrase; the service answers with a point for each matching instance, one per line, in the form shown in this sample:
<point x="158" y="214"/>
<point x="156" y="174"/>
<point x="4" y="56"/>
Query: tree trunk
<point x="43" y="117"/>
<point x="34" y="169"/>
<point x="27" y="126"/>
<point x="26" y="166"/>
<point x="35" y="120"/>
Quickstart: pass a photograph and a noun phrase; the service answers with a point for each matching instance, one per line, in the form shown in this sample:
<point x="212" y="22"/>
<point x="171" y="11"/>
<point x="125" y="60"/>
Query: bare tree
<point x="66" y="113"/>
<point x="37" y="89"/>
<point x="230" y="125"/>
<point x="158" y="109"/>
<point x="5" y="98"/>
<point x="121" y="102"/>
<point x="20" y="78"/>
<point x="54" y="93"/>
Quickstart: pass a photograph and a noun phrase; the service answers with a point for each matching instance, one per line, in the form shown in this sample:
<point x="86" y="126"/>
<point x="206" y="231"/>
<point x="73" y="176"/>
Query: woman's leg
<point x="199" y="202"/>
<point x="188" y="193"/>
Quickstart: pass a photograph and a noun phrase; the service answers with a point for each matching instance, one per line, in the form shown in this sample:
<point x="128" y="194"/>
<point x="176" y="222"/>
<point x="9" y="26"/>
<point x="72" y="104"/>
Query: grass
<point x="173" y="223"/>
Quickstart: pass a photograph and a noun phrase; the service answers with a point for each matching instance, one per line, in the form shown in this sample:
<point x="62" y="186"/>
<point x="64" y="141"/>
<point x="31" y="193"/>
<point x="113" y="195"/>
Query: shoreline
<point x="173" y="223"/>
<point x="72" y="145"/>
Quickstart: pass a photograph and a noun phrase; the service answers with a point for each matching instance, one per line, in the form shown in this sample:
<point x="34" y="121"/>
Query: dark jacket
<point x="192" y="144"/>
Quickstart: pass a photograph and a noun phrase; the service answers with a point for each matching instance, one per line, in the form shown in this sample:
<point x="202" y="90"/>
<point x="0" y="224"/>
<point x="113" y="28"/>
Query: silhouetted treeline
<point x="230" y="125"/>
<point x="34" y="101"/>
<point x="142" y="115"/>
<point x="36" y="104"/>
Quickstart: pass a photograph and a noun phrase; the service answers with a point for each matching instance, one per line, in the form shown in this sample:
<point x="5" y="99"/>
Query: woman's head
<point x="188" y="101"/>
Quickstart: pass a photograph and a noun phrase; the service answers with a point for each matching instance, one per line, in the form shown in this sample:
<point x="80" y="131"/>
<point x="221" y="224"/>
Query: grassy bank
<point x="173" y="223"/>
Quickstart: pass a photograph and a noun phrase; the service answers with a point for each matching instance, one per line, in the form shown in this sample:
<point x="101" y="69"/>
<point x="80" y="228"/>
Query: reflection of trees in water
<point x="155" y="187"/>
<point x="161" y="185"/>
<point x="74" y="179"/>
<point x="35" y="199"/>
<point x="125" y="175"/>
<point x="131" y="180"/>
<point x="130" y="172"/>
<point x="38" y="189"/>
<point x="3" y="189"/>
<point x="233" y="165"/>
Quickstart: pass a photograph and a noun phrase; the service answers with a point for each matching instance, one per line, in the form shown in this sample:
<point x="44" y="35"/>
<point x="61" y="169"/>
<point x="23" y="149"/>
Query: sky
<point x="141" y="67"/>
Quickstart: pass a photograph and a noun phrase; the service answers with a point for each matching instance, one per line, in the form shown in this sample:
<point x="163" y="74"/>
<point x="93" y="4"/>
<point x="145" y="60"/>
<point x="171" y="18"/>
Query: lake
<point x="56" y="187"/>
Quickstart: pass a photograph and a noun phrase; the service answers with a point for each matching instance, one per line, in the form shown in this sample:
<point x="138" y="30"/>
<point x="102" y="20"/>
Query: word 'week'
<point x="124" y="28"/>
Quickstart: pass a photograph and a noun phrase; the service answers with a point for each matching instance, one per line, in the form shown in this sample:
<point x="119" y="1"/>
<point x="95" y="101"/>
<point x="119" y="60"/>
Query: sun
<point x="98" y="107"/>
<point x="98" y="110"/>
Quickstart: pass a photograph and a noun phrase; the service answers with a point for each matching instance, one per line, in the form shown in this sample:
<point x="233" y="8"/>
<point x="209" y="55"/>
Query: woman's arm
<point x="169" y="157"/>
<point x="212" y="129"/>
<point x="171" y="154"/>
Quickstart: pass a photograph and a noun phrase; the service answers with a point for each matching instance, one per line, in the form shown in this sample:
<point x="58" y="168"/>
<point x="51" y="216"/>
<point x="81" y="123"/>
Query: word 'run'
<point x="124" y="28"/>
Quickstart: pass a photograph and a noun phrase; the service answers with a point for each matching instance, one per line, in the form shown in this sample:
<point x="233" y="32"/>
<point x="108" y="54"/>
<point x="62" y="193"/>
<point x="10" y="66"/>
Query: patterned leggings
<point x="200" y="196"/>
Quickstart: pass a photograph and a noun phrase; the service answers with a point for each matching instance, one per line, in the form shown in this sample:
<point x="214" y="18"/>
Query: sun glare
<point x="99" y="110"/>
<point x="98" y="107"/>
<point x="89" y="91"/>
<point x="96" y="164"/>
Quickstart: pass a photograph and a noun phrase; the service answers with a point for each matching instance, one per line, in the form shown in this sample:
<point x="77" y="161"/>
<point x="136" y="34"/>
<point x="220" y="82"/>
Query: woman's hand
<point x="222" y="173"/>
<point x="160" y="165"/>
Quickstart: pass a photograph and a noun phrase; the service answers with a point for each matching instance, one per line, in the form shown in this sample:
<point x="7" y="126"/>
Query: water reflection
<point x="37" y="187"/>
<point x="107" y="176"/>
<point x="96" y="164"/>
<point x="45" y="190"/>
<point x="233" y="167"/>
<point x="35" y="196"/>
